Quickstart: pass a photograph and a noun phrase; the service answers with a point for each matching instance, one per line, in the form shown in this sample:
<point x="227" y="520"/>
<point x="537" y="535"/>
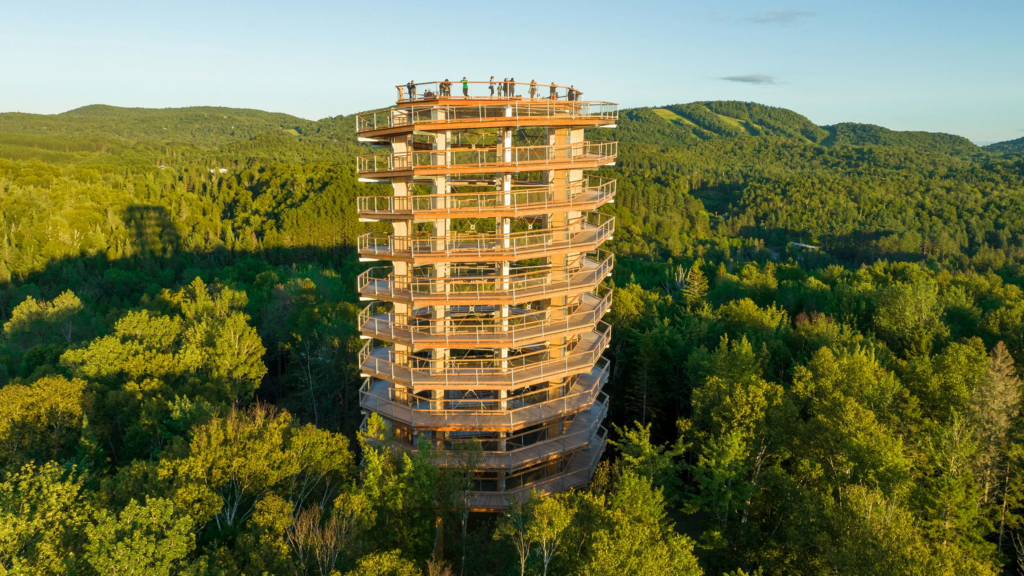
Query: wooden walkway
<point x="452" y="333"/>
<point x="583" y="431"/>
<point x="487" y="289"/>
<point x="487" y="247"/>
<point x="377" y="397"/>
<point x="380" y="363"/>
<point x="576" y="474"/>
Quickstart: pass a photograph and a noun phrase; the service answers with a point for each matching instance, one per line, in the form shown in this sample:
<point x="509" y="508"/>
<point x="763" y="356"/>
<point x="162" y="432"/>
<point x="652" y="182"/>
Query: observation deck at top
<point x="485" y="91"/>
<point x="485" y="324"/>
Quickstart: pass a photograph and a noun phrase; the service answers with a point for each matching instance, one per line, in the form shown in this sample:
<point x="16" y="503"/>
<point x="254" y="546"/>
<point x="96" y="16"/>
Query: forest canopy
<point x="816" y="331"/>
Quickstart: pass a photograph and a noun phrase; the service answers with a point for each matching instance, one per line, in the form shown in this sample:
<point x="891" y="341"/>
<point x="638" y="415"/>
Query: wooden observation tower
<point x="487" y="324"/>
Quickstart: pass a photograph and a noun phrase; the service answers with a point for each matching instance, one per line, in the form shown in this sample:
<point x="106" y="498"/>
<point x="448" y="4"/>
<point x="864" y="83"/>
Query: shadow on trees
<point x="158" y="257"/>
<point x="110" y="286"/>
<point x="152" y="232"/>
<point x="851" y="249"/>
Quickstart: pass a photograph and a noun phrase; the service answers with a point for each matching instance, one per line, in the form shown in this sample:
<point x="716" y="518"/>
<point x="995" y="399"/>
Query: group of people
<point x="445" y="88"/>
<point x="507" y="89"/>
<point x="504" y="89"/>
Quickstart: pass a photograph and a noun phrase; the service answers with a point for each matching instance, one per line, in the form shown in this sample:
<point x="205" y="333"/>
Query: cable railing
<point x="469" y="113"/>
<point x="584" y="429"/>
<point x="577" y="472"/>
<point x="498" y="89"/>
<point x="471" y="403"/>
<point x="587" y="153"/>
<point x="505" y="414"/>
<point x="577" y="357"/>
<point x="589" y="192"/>
<point x="584" y="234"/>
<point x="519" y="328"/>
<point x="464" y="285"/>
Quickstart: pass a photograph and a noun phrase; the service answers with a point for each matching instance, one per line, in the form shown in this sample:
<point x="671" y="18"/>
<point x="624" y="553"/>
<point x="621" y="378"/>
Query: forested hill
<point x="681" y="124"/>
<point x="198" y="125"/>
<point x="815" y="331"/>
<point x="1008" y="146"/>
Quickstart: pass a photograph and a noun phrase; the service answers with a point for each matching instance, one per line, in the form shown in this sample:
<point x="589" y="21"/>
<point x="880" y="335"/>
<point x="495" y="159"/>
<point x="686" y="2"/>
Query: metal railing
<point x="586" y="233"/>
<point x="517" y="371"/>
<point x="379" y="397"/>
<point x="477" y="159"/>
<point x="516" y="328"/>
<point x="592" y="190"/>
<point x="414" y="91"/>
<point x="585" y="429"/>
<point x="480" y="283"/>
<point x="514" y="112"/>
<point x="577" y="472"/>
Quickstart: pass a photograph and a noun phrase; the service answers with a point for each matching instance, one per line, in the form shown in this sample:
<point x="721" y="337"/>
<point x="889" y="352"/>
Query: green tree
<point x="234" y="462"/>
<point x="384" y="564"/>
<point x="637" y="539"/>
<point x="549" y="519"/>
<point x="153" y="538"/>
<point x="696" y="284"/>
<point x="40" y="422"/>
<point x="993" y="406"/>
<point x="43" y="516"/>
<point x="36" y="322"/>
<point x="514" y="527"/>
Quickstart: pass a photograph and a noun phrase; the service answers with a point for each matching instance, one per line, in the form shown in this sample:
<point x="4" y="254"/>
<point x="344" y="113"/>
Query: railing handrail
<point x="565" y="479"/>
<point x="540" y="275"/>
<point x="412" y="324"/>
<point x="421" y="89"/>
<point x="519" y="197"/>
<point x="457" y="113"/>
<point x="480" y="375"/>
<point x="573" y="227"/>
<point x="583" y="391"/>
<point x="570" y="441"/>
<point x="488" y="156"/>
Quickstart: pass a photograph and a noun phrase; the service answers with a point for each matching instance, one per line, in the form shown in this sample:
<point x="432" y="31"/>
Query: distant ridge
<point x="198" y="125"/>
<point x="672" y="125"/>
<point x="698" y="121"/>
<point x="1007" y="146"/>
<point x="868" y="134"/>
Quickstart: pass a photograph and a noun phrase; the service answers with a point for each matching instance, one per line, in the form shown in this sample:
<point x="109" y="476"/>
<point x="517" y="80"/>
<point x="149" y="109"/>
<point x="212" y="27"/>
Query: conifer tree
<point x="696" y="284"/>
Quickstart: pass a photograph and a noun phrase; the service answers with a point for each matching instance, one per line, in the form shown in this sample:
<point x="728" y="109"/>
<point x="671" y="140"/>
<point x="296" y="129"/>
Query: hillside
<point x="685" y="124"/>
<point x="199" y="125"/>
<point x="1010" y="146"/>
<point x="868" y="134"/>
<point x="812" y="323"/>
<point x="682" y="124"/>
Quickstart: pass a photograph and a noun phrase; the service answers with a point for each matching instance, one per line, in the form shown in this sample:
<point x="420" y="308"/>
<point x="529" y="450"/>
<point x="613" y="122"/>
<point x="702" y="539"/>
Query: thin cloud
<point x="751" y="79"/>
<point x="781" y="17"/>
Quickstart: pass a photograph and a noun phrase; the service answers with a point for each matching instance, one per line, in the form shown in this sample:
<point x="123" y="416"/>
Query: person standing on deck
<point x="465" y="87"/>
<point x="412" y="89"/>
<point x="554" y="91"/>
<point x="512" y="88"/>
<point x="492" y="86"/>
<point x="504" y="88"/>
<point x="533" y="88"/>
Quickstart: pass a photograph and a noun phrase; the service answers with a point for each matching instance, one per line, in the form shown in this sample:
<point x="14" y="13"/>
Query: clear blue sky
<point x="944" y="66"/>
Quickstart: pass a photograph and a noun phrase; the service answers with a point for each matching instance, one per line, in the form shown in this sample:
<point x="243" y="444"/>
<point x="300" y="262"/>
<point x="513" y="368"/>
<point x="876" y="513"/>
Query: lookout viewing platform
<point x="440" y="91"/>
<point x="484" y="105"/>
<point x="485" y="325"/>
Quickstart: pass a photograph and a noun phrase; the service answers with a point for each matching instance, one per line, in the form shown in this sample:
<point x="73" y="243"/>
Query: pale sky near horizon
<point x="939" y="66"/>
